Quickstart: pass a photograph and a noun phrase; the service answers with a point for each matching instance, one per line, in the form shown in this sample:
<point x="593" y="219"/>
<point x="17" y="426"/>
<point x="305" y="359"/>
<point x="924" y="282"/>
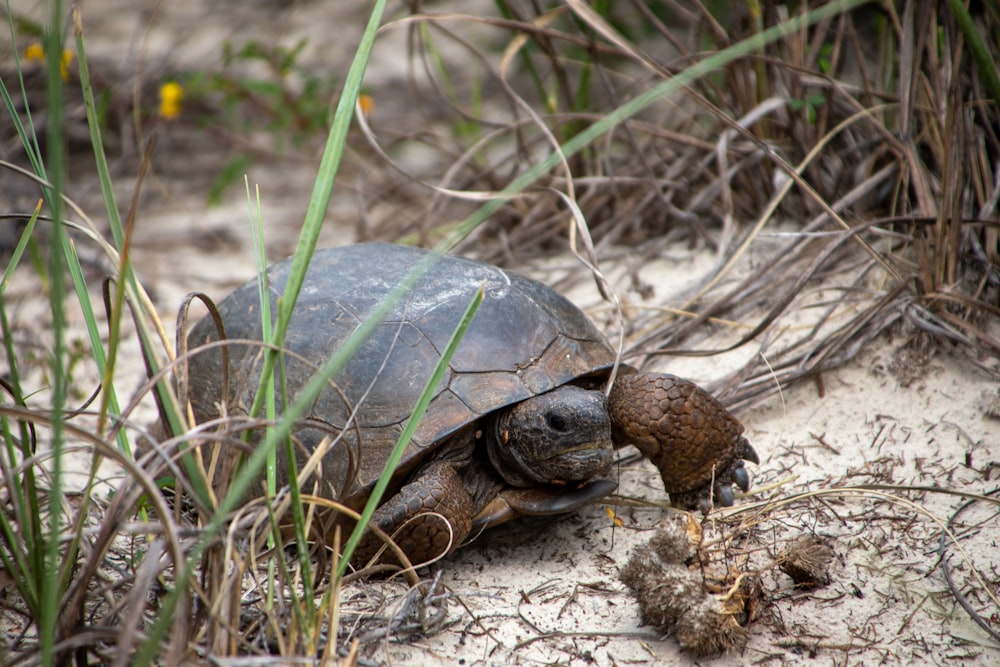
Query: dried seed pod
<point x="673" y="596"/>
<point x="664" y="590"/>
<point x="672" y="541"/>
<point x="707" y="629"/>
<point x="807" y="561"/>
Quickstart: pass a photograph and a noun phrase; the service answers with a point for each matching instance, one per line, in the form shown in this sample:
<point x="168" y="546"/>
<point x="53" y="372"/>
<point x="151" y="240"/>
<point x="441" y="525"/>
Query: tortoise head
<point x="559" y="437"/>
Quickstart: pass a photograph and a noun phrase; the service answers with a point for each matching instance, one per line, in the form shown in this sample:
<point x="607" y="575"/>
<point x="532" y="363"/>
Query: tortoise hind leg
<point x="427" y="518"/>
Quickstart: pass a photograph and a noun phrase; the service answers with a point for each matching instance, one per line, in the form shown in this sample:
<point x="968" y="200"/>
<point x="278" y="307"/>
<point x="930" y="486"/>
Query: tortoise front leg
<point x="685" y="432"/>
<point x="427" y="518"/>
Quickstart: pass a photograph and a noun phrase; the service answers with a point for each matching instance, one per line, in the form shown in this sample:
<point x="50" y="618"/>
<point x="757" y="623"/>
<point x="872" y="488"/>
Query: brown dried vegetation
<point x="850" y="169"/>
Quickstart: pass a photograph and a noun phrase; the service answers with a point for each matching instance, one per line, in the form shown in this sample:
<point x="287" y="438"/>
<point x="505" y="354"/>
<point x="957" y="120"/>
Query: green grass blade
<point x="988" y="69"/>
<point x="105" y="363"/>
<point x="430" y="390"/>
<point x="327" y="172"/>
<point x="96" y="141"/>
<point x="266" y="320"/>
<point x="28" y="140"/>
<point x="21" y="527"/>
<point x="22" y="243"/>
<point x="320" y="198"/>
<point x="56" y="161"/>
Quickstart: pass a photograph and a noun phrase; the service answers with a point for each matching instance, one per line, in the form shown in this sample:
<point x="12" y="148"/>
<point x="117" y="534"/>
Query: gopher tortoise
<point x="520" y="425"/>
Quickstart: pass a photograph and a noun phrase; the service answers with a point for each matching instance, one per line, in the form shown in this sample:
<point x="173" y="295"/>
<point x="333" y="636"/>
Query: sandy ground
<point x="547" y="591"/>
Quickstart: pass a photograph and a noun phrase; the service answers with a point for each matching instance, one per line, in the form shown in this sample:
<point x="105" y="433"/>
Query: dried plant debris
<point x="677" y="591"/>
<point x="911" y="362"/>
<point x="807" y="561"/>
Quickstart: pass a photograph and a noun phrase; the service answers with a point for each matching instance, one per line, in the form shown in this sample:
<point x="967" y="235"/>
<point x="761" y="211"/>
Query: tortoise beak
<point x="581" y="463"/>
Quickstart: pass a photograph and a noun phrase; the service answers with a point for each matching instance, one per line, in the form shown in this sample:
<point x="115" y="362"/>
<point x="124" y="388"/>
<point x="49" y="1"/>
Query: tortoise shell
<point x="525" y="339"/>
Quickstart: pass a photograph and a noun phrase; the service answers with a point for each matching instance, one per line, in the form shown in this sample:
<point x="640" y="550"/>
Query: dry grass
<point x="881" y="178"/>
<point x="862" y="154"/>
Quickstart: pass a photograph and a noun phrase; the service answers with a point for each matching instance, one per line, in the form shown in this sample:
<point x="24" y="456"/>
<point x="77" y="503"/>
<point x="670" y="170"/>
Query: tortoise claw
<point x="748" y="453"/>
<point x="725" y="495"/>
<point x="741" y="477"/>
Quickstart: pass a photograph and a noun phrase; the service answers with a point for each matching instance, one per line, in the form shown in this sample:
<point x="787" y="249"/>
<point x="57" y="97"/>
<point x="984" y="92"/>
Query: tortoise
<point x="520" y="424"/>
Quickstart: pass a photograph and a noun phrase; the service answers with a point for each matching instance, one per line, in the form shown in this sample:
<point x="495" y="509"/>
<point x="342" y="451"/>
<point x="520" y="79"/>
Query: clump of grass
<point x="860" y="138"/>
<point x="656" y="123"/>
<point x="54" y="581"/>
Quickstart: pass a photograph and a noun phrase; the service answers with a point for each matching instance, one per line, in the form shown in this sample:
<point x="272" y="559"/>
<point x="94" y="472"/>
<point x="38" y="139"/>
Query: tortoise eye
<point x="557" y="422"/>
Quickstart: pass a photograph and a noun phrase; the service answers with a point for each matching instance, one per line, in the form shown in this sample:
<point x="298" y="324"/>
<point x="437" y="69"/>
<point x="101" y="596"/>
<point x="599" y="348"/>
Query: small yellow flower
<point x="34" y="53"/>
<point x="171" y="94"/>
<point x="67" y="58"/>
